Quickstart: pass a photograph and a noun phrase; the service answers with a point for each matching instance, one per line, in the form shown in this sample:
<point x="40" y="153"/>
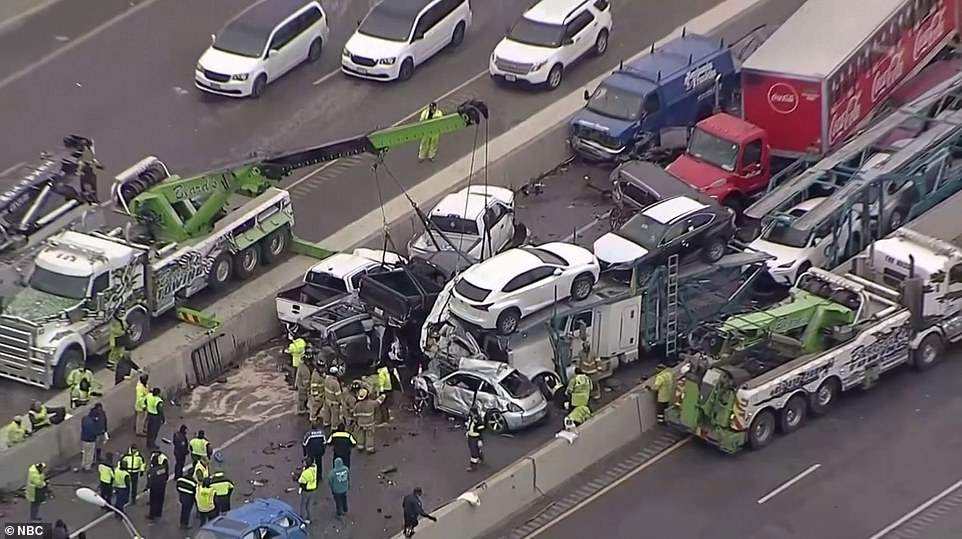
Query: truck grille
<point x="594" y="135"/>
<point x="362" y="61"/>
<point x="19" y="359"/>
<point x="518" y="68"/>
<point x="216" y="77"/>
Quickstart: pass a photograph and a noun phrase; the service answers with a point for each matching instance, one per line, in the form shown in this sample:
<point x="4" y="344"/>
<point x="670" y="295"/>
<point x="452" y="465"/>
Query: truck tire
<point x="508" y="321"/>
<point x="220" y="272"/>
<point x="274" y="244"/>
<point x="138" y="328"/>
<point x="72" y="358"/>
<point x="245" y="262"/>
<point x="762" y="430"/>
<point x="928" y="352"/>
<point x="581" y="286"/>
<point x="793" y="415"/>
<point x="824" y="397"/>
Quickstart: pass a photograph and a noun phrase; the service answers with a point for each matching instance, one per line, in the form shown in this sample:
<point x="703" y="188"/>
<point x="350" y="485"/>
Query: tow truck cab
<point x="727" y="158"/>
<point x="674" y="86"/>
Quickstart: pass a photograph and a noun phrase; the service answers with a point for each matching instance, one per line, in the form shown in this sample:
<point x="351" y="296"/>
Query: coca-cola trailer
<point x="823" y="73"/>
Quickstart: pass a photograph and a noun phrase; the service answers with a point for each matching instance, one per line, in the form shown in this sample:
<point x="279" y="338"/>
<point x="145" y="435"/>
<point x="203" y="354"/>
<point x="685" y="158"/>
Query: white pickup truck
<point x="332" y="280"/>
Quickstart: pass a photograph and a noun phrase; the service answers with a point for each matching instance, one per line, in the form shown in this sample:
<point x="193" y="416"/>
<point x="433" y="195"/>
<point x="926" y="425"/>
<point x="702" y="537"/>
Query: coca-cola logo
<point x="782" y="98"/>
<point x="886" y="77"/>
<point x="844" y="115"/>
<point x="929" y="32"/>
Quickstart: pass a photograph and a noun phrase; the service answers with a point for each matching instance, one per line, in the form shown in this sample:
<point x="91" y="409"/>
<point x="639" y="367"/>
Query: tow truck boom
<point x="178" y="209"/>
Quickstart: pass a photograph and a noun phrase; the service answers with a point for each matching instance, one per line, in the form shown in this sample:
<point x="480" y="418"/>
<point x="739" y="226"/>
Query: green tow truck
<point x="181" y="235"/>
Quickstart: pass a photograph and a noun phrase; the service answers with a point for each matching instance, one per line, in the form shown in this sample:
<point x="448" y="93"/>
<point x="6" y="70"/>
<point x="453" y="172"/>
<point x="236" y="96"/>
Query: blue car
<point x="261" y="519"/>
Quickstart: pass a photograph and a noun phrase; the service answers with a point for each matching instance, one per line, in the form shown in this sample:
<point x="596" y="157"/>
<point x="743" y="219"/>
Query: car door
<point x="578" y="35"/>
<point x="752" y="179"/>
<point x="488" y="397"/>
<point x="699" y="229"/>
<point x="545" y="287"/>
<point x="280" y="56"/>
<point x="495" y="226"/>
<point x="457" y="393"/>
<point x="424" y="41"/>
<point x="672" y="242"/>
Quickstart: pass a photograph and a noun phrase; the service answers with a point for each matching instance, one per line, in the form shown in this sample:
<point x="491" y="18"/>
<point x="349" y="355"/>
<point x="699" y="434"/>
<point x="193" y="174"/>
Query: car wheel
<point x="508" y="321"/>
<point x="714" y="250"/>
<point x="793" y="415"/>
<point x="260" y="83"/>
<point x="547" y="384"/>
<point x="735" y="203"/>
<point x="72" y="358"/>
<point x="407" y="70"/>
<point x="424" y="400"/>
<point x="246" y="261"/>
<point x="928" y="352"/>
<point x="555" y="76"/>
<point x="824" y="397"/>
<point x="801" y="270"/>
<point x="762" y="430"/>
<point x="314" y="54"/>
<point x="495" y="421"/>
<point x="220" y="271"/>
<point x="457" y="38"/>
<point x="274" y="245"/>
<point x="601" y="43"/>
<point x="138" y="327"/>
<point x="581" y="287"/>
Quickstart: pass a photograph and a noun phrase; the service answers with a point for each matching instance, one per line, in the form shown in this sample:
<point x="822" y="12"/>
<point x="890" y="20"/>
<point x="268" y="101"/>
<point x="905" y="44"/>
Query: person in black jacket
<point x="314" y="444"/>
<point x="157" y="476"/>
<point x="342" y="442"/>
<point x="411" y="504"/>
<point x="181" y="450"/>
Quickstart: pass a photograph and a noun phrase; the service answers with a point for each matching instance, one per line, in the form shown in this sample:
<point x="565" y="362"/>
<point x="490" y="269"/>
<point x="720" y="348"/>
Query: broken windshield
<point x="713" y="149"/>
<point x="615" y="103"/>
<point x="58" y="284"/>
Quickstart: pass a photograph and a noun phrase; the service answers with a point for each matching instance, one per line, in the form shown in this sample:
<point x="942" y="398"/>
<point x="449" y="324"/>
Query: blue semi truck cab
<point x="675" y="86"/>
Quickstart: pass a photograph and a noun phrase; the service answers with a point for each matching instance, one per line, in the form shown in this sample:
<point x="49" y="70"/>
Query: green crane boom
<point x="179" y="209"/>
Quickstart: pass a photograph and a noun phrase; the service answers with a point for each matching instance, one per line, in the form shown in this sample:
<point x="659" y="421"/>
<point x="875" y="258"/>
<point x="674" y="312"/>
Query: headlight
<point x="535" y="67"/>
<point x="787" y="264"/>
<point x="240" y="76"/>
<point x="387" y="61"/>
<point x="514" y="408"/>
<point x="345" y="53"/>
<point x="493" y="58"/>
<point x="199" y="67"/>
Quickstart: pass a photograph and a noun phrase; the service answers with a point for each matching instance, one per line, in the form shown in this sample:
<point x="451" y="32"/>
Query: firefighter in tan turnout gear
<point x="302" y="382"/>
<point x="588" y="362"/>
<point x="331" y="413"/>
<point x="315" y="401"/>
<point x="364" y="413"/>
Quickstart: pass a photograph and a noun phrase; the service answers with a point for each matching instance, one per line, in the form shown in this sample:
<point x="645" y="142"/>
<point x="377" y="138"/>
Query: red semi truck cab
<point x="727" y="158"/>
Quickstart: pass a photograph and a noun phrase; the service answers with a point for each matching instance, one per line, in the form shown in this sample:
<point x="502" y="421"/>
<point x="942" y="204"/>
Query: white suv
<point x="260" y="45"/>
<point x="550" y="37"/>
<point x="398" y="35"/>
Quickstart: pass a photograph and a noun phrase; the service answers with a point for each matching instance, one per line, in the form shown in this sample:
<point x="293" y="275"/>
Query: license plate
<point x="510" y="78"/>
<point x="214" y="85"/>
<point x="361" y="70"/>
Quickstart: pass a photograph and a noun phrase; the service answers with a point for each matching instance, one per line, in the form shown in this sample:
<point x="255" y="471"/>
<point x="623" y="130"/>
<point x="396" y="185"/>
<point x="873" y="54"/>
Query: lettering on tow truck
<point x="801" y="379"/>
<point x="700" y="75"/>
<point x="887" y="344"/>
<point x="184" y="192"/>
<point x="928" y="33"/>
<point x="180" y="273"/>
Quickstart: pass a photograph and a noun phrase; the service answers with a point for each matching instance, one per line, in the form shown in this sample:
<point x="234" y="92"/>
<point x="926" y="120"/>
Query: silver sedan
<point x="507" y="399"/>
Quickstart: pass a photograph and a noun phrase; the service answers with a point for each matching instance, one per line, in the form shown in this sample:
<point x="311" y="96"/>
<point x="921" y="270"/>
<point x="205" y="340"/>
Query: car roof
<point x="496" y="271"/>
<point x="470" y="202"/>
<point x="670" y="210"/>
<point x="267" y="14"/>
<point x="406" y="7"/>
<point x="553" y="11"/>
<point x="250" y="515"/>
<point x="653" y="179"/>
<point x="673" y="58"/>
<point x="730" y="127"/>
<point x="491" y="375"/>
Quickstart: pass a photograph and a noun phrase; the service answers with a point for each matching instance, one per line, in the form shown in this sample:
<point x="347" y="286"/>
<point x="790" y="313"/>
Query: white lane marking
<point x="908" y="516"/>
<point x="11" y="168"/>
<point x="325" y="77"/>
<point x="230" y="441"/>
<point x="23" y="15"/>
<point x="605" y="490"/>
<point x="788" y="483"/>
<point x="75" y="43"/>
<point x="325" y="166"/>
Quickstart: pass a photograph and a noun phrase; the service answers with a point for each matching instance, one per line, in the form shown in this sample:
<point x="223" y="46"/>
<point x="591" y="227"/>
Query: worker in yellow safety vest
<point x="36" y="488"/>
<point x="105" y="473"/>
<point x="133" y="462"/>
<point x="116" y="350"/>
<point x="576" y="417"/>
<point x="82" y="385"/>
<point x="664" y="387"/>
<point x="428" y="149"/>
<point x="155" y="416"/>
<point x="308" y="483"/>
<point x="122" y="487"/>
<point x="140" y="405"/>
<point x="297" y="348"/>
<point x="12" y="433"/>
<point x="578" y="390"/>
<point x="206" y="509"/>
<point x="201" y="470"/>
<point x="199" y="447"/>
<point x="588" y="362"/>
<point x="386" y="386"/>
<point x="223" y="489"/>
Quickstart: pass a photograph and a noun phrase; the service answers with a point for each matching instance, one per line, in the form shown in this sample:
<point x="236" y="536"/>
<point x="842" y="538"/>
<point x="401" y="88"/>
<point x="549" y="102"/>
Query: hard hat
<point x="332" y="370"/>
<point x="362" y="394"/>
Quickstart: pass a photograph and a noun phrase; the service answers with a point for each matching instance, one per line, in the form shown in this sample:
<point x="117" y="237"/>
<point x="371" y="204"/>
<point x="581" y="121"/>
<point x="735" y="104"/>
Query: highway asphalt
<point x="123" y="76"/>
<point x="877" y="457"/>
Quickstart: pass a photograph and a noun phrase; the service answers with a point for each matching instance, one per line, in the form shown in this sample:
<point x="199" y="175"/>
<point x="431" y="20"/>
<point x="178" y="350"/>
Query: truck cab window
<point x="583" y="317"/>
<point x="100" y="283"/>
<point x="753" y="153"/>
<point x="955" y="274"/>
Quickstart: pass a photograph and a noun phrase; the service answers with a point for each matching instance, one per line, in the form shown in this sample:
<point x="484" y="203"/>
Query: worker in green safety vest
<point x="308" y="483"/>
<point x="36" y="488"/>
<point x="576" y="417"/>
<point x="428" y="149"/>
<point x="118" y="329"/>
<point x="155" y="416"/>
<point x="122" y="486"/>
<point x="140" y="405"/>
<point x="578" y="390"/>
<point x="82" y="385"/>
<point x="204" y="496"/>
<point x="105" y="473"/>
<point x="135" y="465"/>
<point x="223" y="489"/>
<point x="664" y="387"/>
<point x="199" y="447"/>
<point x="12" y="433"/>
<point x="296" y="349"/>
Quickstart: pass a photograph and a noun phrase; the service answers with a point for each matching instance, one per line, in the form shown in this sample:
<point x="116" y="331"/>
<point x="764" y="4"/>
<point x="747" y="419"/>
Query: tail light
<point x="483" y="307"/>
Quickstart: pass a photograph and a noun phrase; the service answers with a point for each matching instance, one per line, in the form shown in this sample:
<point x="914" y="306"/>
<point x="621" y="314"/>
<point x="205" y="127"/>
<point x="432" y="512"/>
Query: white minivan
<point x="398" y="35"/>
<point x="260" y="45"/>
<point x="549" y="38"/>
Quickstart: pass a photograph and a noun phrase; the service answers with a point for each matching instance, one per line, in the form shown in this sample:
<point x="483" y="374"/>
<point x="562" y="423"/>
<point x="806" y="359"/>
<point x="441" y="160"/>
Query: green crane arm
<point x="178" y="209"/>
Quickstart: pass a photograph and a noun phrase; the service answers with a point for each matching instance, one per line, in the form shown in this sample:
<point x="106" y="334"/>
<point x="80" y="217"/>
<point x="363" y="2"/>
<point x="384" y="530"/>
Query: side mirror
<point x="568" y="41"/>
<point x="271" y="53"/>
<point x="558" y="271"/>
<point x="213" y="38"/>
<point x="587" y="94"/>
<point x="99" y="302"/>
